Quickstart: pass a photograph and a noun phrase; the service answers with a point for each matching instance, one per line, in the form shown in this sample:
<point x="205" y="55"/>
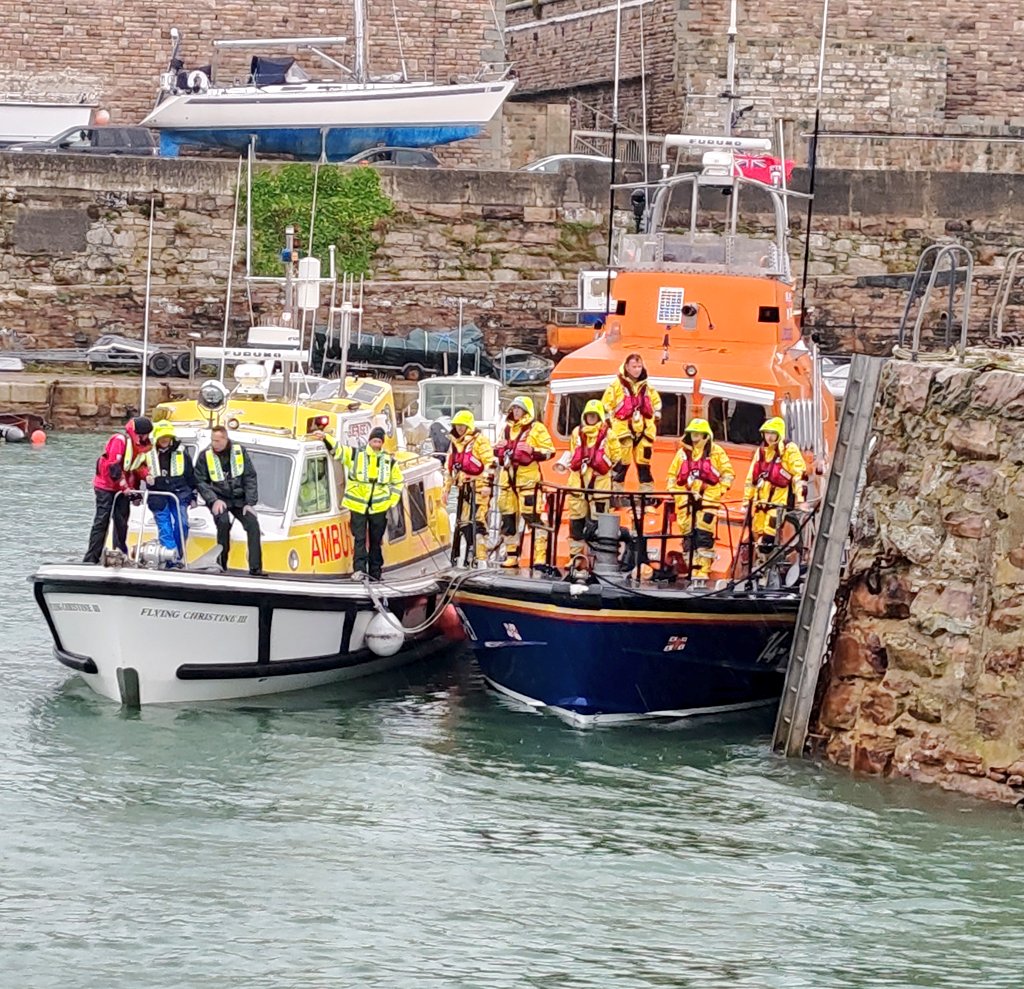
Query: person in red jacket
<point x="119" y="470"/>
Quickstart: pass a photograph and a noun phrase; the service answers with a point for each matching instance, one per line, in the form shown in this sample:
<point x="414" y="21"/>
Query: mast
<point x="812" y="162"/>
<point x="614" y="154"/>
<point x="730" y="72"/>
<point x="360" y="26"/>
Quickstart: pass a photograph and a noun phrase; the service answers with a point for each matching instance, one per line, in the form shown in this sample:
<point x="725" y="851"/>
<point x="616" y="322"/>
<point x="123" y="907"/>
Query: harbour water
<point x="415" y="832"/>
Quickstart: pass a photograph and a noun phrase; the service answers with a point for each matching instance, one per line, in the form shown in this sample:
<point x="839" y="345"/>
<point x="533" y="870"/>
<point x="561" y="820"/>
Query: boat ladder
<point x="814" y="618"/>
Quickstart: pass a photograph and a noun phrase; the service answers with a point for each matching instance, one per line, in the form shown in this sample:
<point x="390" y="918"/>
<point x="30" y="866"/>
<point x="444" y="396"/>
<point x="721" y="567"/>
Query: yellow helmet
<point x="699" y="426"/>
<point x="774" y="425"/>
<point x="464" y="418"/>
<point x="162" y="428"/>
<point x="596" y="407"/>
<point x="525" y="403"/>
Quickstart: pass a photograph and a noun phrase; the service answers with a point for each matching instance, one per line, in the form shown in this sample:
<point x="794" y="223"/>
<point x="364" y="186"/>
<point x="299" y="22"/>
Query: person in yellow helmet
<point x="525" y="444"/>
<point x="701" y="474"/>
<point x="777" y="480"/>
<point x="593" y="453"/>
<point x="634" y="408"/>
<point x="468" y="468"/>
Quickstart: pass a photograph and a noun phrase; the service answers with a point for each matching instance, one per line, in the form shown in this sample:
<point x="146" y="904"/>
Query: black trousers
<point x="373" y="526"/>
<point x="106" y="508"/>
<point x="252" y="535"/>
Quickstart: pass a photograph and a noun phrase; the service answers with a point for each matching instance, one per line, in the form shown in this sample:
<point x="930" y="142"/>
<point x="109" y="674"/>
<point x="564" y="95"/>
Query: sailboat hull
<point x="307" y="120"/>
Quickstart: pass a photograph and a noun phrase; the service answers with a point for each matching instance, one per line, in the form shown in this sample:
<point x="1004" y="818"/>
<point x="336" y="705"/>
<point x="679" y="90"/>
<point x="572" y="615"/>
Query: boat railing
<point x="795" y="527"/>
<point x="159" y="554"/>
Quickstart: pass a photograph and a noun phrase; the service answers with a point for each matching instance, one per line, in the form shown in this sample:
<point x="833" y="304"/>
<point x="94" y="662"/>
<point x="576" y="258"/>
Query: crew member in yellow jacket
<point x="524" y="445"/>
<point x="373" y="484"/>
<point x="469" y="470"/>
<point x="777" y="480"/>
<point x="634" y="408"/>
<point x="701" y="473"/>
<point x="593" y="453"/>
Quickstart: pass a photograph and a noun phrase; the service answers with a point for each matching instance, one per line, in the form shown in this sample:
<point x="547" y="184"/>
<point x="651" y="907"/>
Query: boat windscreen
<point x="446" y="398"/>
<point x="273" y="475"/>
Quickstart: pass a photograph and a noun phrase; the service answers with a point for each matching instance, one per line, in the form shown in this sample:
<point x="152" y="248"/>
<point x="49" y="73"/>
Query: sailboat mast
<point x="730" y="71"/>
<point x="360" y="26"/>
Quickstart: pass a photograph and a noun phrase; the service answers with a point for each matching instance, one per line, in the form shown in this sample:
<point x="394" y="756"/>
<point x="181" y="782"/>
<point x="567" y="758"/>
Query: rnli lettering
<point x="193" y="616"/>
<point x="329" y="543"/>
<point x="74" y="606"/>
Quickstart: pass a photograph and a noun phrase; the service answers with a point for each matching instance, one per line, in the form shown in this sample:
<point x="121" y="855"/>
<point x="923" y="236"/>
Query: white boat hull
<point x="335" y="119"/>
<point x="160" y="637"/>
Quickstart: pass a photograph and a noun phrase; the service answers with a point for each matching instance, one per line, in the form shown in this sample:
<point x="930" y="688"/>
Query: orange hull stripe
<point x="582" y="615"/>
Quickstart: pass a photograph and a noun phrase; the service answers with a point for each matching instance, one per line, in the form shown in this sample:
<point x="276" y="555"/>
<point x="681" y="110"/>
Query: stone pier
<point x="926" y="675"/>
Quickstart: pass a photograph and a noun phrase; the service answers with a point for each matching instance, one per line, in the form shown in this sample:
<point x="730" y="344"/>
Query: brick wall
<point x="935" y="67"/>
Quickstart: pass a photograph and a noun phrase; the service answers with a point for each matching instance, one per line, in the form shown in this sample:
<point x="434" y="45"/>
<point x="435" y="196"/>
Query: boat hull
<point x="607" y="655"/>
<point x="337" y="121"/>
<point x="158" y="637"/>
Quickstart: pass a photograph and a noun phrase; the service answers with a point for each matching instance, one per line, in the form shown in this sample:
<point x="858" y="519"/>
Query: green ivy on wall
<point x="349" y="205"/>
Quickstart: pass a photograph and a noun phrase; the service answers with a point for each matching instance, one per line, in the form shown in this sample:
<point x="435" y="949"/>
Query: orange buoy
<point x="450" y="625"/>
<point x="38" y="438"/>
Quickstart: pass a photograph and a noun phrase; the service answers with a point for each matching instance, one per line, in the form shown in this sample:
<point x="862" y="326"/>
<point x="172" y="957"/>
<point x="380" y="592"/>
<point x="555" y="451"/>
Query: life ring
<point x="198" y="81"/>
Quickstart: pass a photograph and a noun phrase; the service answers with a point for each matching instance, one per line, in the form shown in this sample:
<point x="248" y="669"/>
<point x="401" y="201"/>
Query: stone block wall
<point x="947" y="67"/>
<point x="926" y="675"/>
<point x="74" y="237"/>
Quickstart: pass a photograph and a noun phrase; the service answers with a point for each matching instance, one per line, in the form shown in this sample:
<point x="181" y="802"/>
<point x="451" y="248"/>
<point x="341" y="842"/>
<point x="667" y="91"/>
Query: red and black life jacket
<point x="594" y="456"/>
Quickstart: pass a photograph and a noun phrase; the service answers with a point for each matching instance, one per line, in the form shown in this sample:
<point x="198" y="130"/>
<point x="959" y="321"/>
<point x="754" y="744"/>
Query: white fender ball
<point x="382" y="638"/>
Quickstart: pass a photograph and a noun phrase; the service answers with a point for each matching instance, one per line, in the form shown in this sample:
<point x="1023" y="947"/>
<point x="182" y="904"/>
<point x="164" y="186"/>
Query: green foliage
<point x="349" y="205"/>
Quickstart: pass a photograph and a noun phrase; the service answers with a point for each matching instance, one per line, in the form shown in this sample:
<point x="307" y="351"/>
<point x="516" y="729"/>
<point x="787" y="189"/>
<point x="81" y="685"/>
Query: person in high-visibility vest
<point x="226" y="479"/>
<point x="701" y="473"/>
<point x="593" y="453"/>
<point x="469" y="469"/>
<point x="120" y="470"/>
<point x="170" y="474"/>
<point x="524" y="445"/>
<point x="633" y="406"/>
<point x="373" y="485"/>
<point x="777" y="480"/>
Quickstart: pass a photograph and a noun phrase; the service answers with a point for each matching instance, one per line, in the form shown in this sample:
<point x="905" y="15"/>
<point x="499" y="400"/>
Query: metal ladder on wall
<point x="814" y="618"/>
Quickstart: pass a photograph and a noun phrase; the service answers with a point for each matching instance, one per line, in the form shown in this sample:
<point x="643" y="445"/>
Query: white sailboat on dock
<point x="281" y="110"/>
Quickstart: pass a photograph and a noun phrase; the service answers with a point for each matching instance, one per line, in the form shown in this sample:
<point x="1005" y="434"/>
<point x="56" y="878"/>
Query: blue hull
<point x="693" y="655"/>
<point x="305" y="143"/>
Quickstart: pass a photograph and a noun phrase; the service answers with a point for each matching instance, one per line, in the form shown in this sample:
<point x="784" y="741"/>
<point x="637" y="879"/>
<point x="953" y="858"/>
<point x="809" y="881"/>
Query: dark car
<point x="97" y="141"/>
<point x="399" y="157"/>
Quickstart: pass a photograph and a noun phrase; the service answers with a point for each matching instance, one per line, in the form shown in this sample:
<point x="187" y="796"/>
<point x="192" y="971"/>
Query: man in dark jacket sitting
<point x="226" y="479"/>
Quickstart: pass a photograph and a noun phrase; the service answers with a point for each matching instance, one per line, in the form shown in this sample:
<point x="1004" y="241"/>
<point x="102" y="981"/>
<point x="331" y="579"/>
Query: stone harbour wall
<point x="926" y="674"/>
<point x="73" y="244"/>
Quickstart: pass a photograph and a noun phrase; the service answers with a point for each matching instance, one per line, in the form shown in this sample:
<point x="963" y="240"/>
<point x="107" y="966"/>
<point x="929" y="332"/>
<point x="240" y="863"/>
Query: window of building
<point x="314" y="488"/>
<point x="735" y="422"/>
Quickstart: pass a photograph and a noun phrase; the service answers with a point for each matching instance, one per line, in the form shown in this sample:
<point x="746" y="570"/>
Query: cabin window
<point x="570" y="411"/>
<point x="735" y="422"/>
<point x="274" y="473"/>
<point x="445" y="399"/>
<point x="417" y="507"/>
<point x="314" y="488"/>
<point x="396" y="522"/>
<point x="673" y="414"/>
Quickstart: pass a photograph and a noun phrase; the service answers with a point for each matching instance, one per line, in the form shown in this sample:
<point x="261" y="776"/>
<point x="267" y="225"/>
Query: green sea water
<point x="415" y="831"/>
